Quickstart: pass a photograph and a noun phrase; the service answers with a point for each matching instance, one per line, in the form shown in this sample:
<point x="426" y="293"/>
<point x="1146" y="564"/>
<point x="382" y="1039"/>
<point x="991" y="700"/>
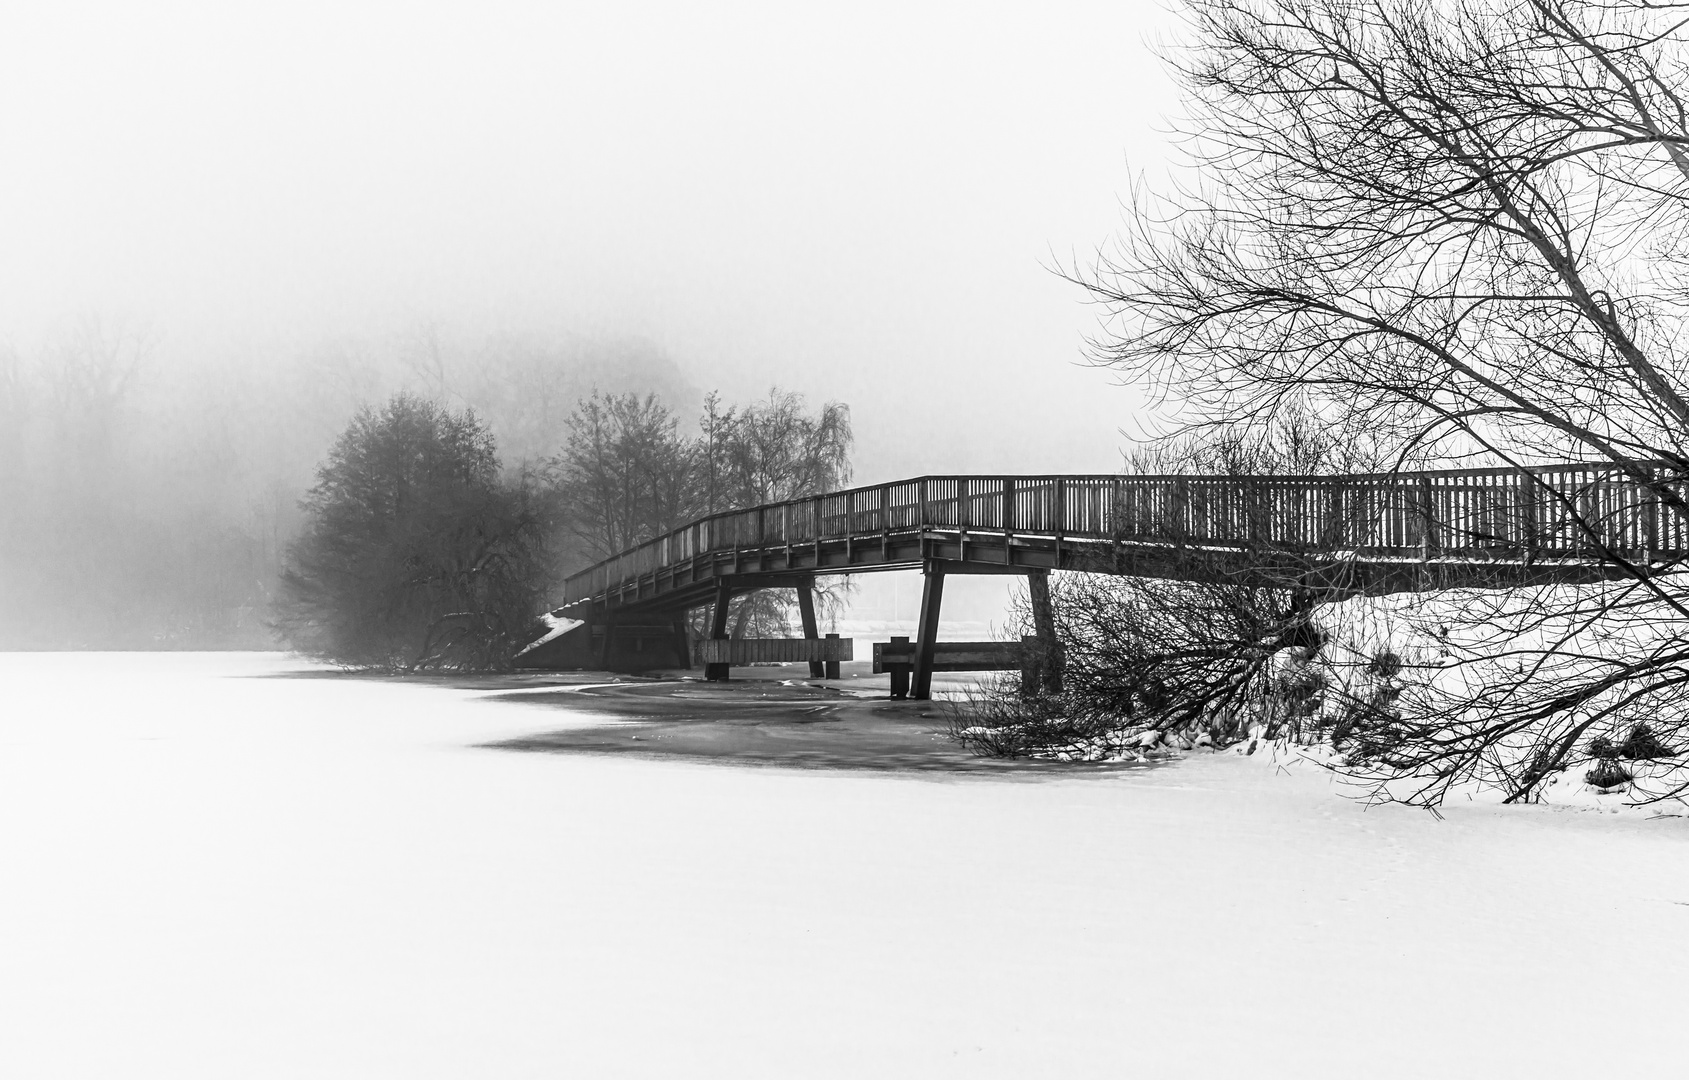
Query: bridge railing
<point x="1556" y="511"/>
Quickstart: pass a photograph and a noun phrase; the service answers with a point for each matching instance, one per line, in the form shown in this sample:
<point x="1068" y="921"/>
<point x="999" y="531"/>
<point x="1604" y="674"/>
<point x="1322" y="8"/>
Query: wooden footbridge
<point x="1334" y="535"/>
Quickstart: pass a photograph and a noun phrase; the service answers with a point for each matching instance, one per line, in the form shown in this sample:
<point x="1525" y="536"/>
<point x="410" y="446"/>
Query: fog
<point x="260" y="217"/>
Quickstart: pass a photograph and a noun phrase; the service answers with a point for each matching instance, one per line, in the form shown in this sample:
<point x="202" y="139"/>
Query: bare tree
<point x="1202" y="650"/>
<point x="766" y="452"/>
<point x="715" y="428"/>
<point x="1461" y="227"/>
<point x="776" y="450"/>
<point x="625" y="473"/>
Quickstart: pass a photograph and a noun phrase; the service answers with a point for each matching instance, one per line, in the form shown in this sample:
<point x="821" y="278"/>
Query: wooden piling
<point x="718" y="630"/>
<point x="932" y="597"/>
<point x="811" y="631"/>
<point x="900" y="675"/>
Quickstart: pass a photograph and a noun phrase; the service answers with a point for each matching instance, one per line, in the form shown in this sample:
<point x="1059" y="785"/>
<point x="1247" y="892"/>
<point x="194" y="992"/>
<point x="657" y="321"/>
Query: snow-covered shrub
<point x="1291" y="701"/>
<point x="1366" y="724"/>
<point x="1601" y="748"/>
<point x="1643" y="745"/>
<point x="1607" y="775"/>
<point x="1384" y="665"/>
<point x="1414" y="695"/>
<point x="1506" y="689"/>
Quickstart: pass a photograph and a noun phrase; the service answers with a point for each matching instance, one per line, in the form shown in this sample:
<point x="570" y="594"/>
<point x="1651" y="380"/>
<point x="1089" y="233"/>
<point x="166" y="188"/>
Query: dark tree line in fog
<point x="149" y="488"/>
<point x="419" y="552"/>
<point x="415" y="553"/>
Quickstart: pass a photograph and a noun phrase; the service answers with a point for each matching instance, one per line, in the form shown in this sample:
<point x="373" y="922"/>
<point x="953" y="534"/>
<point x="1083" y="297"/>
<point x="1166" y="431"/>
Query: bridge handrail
<point x="1428" y="510"/>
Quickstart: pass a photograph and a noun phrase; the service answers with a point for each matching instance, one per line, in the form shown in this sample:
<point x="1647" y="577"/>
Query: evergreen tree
<point x="415" y="554"/>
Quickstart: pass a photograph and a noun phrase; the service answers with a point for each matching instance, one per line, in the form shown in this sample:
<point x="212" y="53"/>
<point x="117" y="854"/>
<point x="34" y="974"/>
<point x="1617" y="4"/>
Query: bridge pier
<point x="683" y="642"/>
<point x="811" y="629"/>
<point x="926" y="631"/>
<point x="718" y="629"/>
<point x="1046" y="673"/>
<point x="899" y="674"/>
<point x="608" y="645"/>
<point x="1043" y="670"/>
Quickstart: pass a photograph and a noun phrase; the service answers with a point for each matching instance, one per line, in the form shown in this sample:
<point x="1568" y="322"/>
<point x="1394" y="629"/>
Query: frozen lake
<point x="210" y="871"/>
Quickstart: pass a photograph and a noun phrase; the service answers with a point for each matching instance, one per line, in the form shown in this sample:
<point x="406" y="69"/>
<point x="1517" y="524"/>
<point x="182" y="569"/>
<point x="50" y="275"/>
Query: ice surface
<point x="209" y="873"/>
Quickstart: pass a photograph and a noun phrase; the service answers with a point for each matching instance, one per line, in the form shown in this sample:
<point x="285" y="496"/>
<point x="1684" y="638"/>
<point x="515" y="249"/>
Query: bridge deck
<point x="1369" y="533"/>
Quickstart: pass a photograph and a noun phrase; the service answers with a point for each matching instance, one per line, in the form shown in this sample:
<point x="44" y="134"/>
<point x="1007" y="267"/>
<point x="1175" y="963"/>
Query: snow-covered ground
<point x="211" y="874"/>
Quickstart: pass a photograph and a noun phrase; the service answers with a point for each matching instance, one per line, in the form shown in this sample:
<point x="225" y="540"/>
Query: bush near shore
<point x="1354" y="701"/>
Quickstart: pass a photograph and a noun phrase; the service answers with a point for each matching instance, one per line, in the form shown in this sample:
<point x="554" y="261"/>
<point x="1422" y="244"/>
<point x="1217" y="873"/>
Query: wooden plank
<point x="738" y="652"/>
<point x="899" y="656"/>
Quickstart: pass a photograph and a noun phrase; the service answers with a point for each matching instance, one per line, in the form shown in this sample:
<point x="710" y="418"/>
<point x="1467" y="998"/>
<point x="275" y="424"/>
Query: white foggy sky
<point x="854" y="201"/>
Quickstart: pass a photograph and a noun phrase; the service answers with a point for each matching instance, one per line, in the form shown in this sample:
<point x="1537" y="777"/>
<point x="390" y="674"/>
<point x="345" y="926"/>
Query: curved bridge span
<point x="1340" y="535"/>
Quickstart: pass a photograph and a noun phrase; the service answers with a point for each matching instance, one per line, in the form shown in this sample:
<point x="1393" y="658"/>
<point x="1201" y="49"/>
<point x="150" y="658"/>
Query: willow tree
<point x="627" y="474"/>
<point x="1463" y="227"/>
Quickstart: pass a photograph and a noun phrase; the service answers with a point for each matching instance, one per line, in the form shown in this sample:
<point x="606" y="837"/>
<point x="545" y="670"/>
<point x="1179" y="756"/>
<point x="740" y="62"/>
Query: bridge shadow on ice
<point x="773" y="719"/>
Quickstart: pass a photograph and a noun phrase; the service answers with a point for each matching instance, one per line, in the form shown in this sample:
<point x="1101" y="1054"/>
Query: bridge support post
<point x="718" y="630"/>
<point x="607" y="646"/>
<point x="900" y="675"/>
<point x="932" y="596"/>
<point x="811" y="631"/>
<point x="1049" y="667"/>
<point x="682" y="643"/>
